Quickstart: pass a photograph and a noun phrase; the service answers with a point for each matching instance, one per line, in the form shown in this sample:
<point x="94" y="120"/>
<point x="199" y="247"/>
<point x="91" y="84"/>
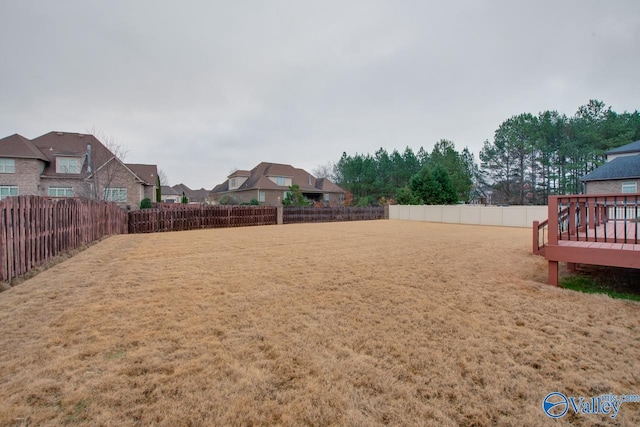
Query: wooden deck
<point x="594" y="229"/>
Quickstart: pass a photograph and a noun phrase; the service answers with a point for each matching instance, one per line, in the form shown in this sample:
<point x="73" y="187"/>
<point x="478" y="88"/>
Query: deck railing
<point x="540" y="236"/>
<point x="594" y="218"/>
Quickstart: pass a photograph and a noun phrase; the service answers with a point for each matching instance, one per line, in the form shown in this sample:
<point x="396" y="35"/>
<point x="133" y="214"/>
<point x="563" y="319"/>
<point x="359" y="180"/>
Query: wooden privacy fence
<point x="191" y="217"/>
<point x="35" y="229"/>
<point x="309" y="214"/>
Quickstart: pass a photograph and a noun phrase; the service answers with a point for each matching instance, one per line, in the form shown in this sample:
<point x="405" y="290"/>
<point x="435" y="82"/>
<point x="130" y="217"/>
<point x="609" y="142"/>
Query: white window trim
<point x="629" y="185"/>
<point x="9" y="189"/>
<point x="109" y="194"/>
<point x="7" y="166"/>
<point x="67" y="191"/>
<point x="67" y="168"/>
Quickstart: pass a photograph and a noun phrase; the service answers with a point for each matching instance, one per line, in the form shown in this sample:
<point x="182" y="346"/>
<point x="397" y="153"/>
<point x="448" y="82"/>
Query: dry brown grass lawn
<point x="368" y="323"/>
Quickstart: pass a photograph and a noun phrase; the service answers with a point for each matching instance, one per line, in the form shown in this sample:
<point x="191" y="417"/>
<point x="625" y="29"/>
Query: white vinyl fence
<point x="507" y="216"/>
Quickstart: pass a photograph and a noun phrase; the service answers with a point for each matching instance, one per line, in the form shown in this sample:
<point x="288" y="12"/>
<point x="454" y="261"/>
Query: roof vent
<point x="60" y="134"/>
<point x="80" y="135"/>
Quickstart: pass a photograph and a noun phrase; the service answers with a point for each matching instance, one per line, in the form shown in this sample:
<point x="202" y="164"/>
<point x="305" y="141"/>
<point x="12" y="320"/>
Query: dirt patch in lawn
<point x="367" y="323"/>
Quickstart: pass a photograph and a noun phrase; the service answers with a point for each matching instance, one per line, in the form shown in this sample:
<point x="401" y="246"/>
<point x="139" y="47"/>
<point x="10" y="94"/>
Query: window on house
<point x="7" y="166"/>
<point x="115" y="194"/>
<point x="68" y="165"/>
<point x="629" y="187"/>
<point x="60" y="192"/>
<point x="281" y="180"/>
<point x="326" y="197"/>
<point x="8" y="190"/>
<point x="232" y="183"/>
<point x="261" y="196"/>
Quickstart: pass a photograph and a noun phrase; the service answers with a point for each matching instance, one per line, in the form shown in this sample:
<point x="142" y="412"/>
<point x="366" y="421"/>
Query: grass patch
<point x="117" y="354"/>
<point x="78" y="412"/>
<point x="589" y="285"/>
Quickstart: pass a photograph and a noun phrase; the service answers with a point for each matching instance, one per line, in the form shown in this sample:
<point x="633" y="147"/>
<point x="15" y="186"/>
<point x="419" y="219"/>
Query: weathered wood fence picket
<point x="191" y="217"/>
<point x="310" y="214"/>
<point x="35" y="229"/>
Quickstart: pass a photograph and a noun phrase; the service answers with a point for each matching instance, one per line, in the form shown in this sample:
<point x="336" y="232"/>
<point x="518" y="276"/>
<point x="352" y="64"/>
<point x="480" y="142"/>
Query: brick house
<point x="268" y="183"/>
<point x="60" y="164"/>
<point x="200" y="196"/>
<point x="620" y="174"/>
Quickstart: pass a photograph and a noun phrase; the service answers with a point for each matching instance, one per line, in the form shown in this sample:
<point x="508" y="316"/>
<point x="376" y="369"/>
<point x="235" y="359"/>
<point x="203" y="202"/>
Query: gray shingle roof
<point x="619" y="168"/>
<point x="629" y="148"/>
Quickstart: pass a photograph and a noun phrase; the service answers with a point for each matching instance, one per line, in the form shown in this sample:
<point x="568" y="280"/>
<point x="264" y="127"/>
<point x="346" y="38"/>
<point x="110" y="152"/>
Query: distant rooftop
<point x="628" y="148"/>
<point x="619" y="168"/>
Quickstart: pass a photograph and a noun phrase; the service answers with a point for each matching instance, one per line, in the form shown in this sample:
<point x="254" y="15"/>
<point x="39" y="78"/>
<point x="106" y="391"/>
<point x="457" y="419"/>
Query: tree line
<point x="442" y="175"/>
<point x="530" y="158"/>
<point x="533" y="157"/>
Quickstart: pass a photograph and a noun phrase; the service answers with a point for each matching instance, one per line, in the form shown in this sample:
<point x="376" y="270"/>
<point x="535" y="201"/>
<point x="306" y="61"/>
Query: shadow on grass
<point x="621" y="283"/>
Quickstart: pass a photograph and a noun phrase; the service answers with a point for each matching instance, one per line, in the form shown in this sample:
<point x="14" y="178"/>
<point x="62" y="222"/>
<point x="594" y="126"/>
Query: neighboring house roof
<point x="618" y="168"/>
<point x="54" y="144"/>
<point x="199" y="195"/>
<point x="20" y="147"/>
<point x="182" y="189"/>
<point x="325" y="185"/>
<point x="239" y="172"/>
<point x="165" y="190"/>
<point x="221" y="188"/>
<point x="148" y="174"/>
<point x="628" y="148"/>
<point x="259" y="179"/>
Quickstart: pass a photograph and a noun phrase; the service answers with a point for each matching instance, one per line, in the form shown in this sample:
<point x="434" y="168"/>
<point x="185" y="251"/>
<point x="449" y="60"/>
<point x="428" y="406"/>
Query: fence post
<point x="280" y="215"/>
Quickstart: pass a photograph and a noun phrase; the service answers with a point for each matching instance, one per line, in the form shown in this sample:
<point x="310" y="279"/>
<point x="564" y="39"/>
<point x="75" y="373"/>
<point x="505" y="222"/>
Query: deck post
<point x="552" y="227"/>
<point x="552" y="215"/>
<point x="552" y="278"/>
<point x="536" y="225"/>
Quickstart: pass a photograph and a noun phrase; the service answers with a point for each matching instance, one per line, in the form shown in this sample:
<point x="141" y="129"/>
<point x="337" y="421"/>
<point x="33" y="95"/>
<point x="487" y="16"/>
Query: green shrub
<point x="146" y="203"/>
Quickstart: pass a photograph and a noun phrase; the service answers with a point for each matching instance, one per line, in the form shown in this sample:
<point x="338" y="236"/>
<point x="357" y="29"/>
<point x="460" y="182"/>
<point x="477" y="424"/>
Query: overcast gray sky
<point x="201" y="88"/>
